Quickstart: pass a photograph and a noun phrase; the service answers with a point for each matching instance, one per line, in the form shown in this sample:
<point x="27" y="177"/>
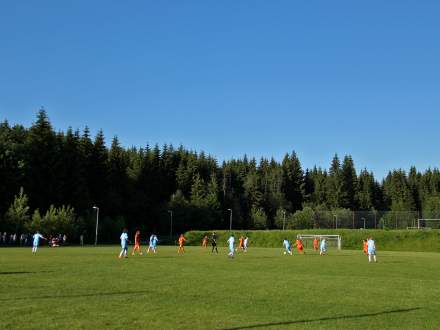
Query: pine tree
<point x="293" y="181"/>
<point x="334" y="184"/>
<point x="42" y="156"/>
<point x="198" y="191"/>
<point x="348" y="184"/>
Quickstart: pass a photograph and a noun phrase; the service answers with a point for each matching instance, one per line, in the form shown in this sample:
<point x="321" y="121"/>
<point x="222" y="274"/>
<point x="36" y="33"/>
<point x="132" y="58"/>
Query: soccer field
<point x="90" y="287"/>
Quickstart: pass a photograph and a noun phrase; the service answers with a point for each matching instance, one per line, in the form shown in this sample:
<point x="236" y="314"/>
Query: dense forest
<point x="51" y="180"/>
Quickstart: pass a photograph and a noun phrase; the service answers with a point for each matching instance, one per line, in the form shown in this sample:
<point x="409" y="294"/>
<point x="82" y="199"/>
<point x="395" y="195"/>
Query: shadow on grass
<point x="23" y="273"/>
<point x="342" y="317"/>
<point x="84" y="295"/>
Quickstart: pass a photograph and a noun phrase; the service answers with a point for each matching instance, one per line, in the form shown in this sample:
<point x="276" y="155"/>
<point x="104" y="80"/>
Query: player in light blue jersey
<point x="323" y="247"/>
<point x="124" y="244"/>
<point x="37" y="236"/>
<point x="231" y="242"/>
<point x="287" y="246"/>
<point x="371" y="250"/>
<point x="153" y="243"/>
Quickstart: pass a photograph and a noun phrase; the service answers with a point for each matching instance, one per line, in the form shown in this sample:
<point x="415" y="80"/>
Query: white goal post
<point x="420" y="223"/>
<point x="336" y="238"/>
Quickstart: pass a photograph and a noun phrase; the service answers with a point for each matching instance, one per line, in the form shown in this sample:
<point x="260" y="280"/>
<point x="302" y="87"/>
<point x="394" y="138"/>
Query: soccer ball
<point x="285" y="252"/>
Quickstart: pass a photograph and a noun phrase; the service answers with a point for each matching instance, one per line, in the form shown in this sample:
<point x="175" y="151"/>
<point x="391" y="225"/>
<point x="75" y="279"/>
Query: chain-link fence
<point x="363" y="219"/>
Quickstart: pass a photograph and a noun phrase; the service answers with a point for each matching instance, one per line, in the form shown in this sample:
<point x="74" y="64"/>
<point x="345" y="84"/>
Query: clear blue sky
<point x="233" y="77"/>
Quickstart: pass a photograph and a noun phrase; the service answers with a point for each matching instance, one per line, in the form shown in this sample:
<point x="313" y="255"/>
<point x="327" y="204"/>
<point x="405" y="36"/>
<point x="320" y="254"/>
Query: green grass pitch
<point x="90" y="288"/>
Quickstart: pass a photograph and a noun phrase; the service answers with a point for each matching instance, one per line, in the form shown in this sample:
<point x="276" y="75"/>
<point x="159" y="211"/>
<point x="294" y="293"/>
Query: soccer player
<point x="287" y="247"/>
<point x="182" y="241"/>
<point x="214" y="243"/>
<point x="37" y="236"/>
<point x="365" y="246"/>
<point x="315" y="244"/>
<point x="240" y="243"/>
<point x="231" y="242"/>
<point x="323" y="247"/>
<point x="371" y="250"/>
<point x="137" y="243"/>
<point x="245" y="243"/>
<point x="299" y="245"/>
<point x="124" y="244"/>
<point x="205" y="241"/>
<point x="151" y="244"/>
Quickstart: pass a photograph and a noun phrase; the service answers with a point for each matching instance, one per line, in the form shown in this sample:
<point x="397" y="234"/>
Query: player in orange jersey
<point x="315" y="244"/>
<point x="365" y="246"/>
<point x="205" y="241"/>
<point x="137" y="243"/>
<point x="182" y="241"/>
<point x="299" y="246"/>
<point x="241" y="243"/>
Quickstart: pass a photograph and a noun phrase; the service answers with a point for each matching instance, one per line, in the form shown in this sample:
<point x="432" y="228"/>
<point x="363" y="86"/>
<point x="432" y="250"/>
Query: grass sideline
<point x="85" y="288"/>
<point x="390" y="240"/>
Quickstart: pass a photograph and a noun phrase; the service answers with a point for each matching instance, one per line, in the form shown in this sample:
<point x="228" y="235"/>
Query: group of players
<point x="369" y="246"/>
<point x="288" y="247"/>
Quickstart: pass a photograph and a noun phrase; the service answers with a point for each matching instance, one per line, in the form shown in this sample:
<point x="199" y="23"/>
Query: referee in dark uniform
<point x="214" y="243"/>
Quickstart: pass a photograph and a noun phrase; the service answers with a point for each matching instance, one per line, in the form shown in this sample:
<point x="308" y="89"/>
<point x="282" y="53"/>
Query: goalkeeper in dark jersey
<point x="214" y="243"/>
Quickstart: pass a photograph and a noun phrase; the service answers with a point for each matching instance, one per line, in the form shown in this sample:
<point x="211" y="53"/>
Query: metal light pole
<point x="171" y="223"/>
<point x="284" y="219"/>
<point x="97" y="223"/>
<point x="364" y="222"/>
<point x="336" y="221"/>
<point x="230" y="220"/>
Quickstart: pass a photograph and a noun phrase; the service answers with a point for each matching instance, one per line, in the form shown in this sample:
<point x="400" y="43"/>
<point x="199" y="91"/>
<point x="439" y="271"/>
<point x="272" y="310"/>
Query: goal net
<point x="428" y="223"/>
<point x="332" y="240"/>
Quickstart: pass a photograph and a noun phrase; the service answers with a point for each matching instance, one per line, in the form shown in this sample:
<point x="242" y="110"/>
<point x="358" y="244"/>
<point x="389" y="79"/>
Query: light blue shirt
<point x="231" y="241"/>
<point x="323" y="244"/>
<point x="286" y="244"/>
<point x="154" y="240"/>
<point x="371" y="245"/>
<point x="124" y="240"/>
<point x="37" y="238"/>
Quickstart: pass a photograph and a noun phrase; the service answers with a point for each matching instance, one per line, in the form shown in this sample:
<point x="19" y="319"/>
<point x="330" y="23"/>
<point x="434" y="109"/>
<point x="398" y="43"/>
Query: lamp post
<point x="364" y="223"/>
<point x="97" y="223"/>
<point x="230" y="220"/>
<point x="284" y="219"/>
<point x="336" y="221"/>
<point x="171" y="223"/>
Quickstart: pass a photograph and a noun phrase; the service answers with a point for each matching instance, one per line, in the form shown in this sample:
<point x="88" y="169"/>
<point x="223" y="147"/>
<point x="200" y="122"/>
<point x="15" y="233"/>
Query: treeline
<point x="69" y="172"/>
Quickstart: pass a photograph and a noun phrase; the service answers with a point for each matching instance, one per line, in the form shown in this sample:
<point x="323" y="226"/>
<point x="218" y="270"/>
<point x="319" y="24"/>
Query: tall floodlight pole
<point x="230" y="220"/>
<point x="364" y="222"/>
<point x="171" y="223"/>
<point x="284" y="219"/>
<point x="336" y="221"/>
<point x="97" y="224"/>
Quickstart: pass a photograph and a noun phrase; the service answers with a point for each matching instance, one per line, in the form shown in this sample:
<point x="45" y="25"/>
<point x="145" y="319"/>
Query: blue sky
<point x="233" y="77"/>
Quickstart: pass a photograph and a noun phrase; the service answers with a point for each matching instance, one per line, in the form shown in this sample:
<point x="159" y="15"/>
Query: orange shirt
<point x="181" y="240"/>
<point x="241" y="241"/>
<point x="315" y="243"/>
<point x="299" y="244"/>
<point x="137" y="239"/>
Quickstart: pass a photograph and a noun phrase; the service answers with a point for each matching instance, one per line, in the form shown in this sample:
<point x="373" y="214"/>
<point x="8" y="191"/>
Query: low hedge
<point x="390" y="240"/>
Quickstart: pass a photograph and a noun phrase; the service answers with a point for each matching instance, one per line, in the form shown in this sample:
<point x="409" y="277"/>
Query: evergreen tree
<point x="348" y="184"/>
<point x="334" y="184"/>
<point x="293" y="181"/>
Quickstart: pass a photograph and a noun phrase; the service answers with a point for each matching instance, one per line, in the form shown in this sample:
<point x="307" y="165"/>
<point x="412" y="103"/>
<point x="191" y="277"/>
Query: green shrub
<point x="390" y="240"/>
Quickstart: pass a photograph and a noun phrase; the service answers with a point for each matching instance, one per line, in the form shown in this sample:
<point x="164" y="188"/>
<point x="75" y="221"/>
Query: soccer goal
<point x="308" y="239"/>
<point x="428" y="223"/>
